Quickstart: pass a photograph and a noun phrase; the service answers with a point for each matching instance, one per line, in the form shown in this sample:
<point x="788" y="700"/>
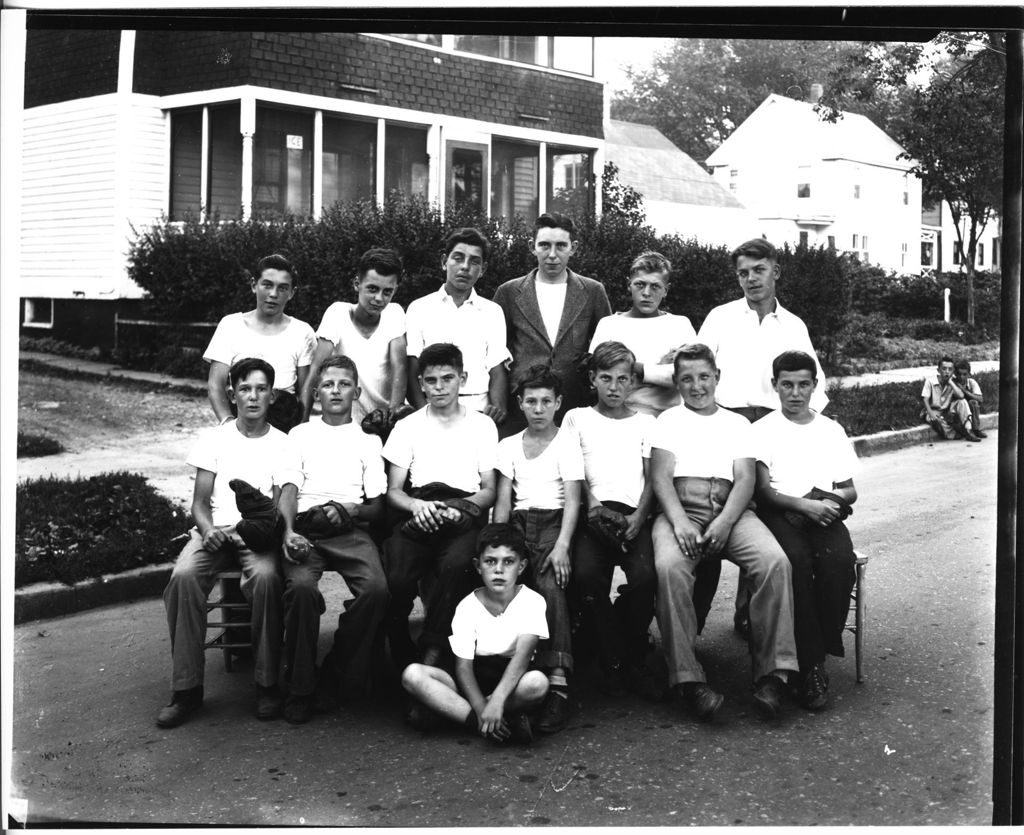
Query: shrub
<point x="49" y="345"/>
<point x="31" y="445"/>
<point x="73" y="529"/>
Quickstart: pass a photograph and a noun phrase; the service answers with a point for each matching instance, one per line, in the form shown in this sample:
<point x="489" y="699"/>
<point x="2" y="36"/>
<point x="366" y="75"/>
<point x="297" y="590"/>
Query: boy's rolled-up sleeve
<point x="463" y="637"/>
<point x="536" y="621"/>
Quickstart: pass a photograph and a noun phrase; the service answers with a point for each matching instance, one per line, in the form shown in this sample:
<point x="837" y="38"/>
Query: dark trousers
<point x="355" y="557"/>
<point x="621" y="631"/>
<point x="406" y="562"/>
<point x="823" y="569"/>
<point x="540" y="528"/>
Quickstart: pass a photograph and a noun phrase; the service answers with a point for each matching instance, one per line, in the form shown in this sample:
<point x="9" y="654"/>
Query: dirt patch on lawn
<point x="106" y="426"/>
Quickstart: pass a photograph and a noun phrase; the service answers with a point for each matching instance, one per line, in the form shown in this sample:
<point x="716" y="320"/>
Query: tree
<point x="699" y="91"/>
<point x="943" y="103"/>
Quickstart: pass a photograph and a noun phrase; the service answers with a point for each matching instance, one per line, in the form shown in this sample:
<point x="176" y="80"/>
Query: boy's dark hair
<point x="540" y="376"/>
<point x="755" y="248"/>
<point x="384" y="261"/>
<point x="275" y="262"/>
<point x="499" y="534"/>
<point x="946" y="359"/>
<point x="794" y="361"/>
<point x="691" y="352"/>
<point x="554" y="220"/>
<point x="244" y="367"/>
<point x="441" y="353"/>
<point x="472" y="237"/>
<point x="610" y="353"/>
<point x="338" y="361"/>
<point x="962" y="364"/>
<point x="650" y="262"/>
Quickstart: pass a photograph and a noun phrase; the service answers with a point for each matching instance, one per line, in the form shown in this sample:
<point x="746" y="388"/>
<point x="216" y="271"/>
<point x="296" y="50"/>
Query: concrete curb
<point x="867" y="445"/>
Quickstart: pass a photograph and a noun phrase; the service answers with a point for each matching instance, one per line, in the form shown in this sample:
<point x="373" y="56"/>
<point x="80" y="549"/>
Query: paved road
<point x="912" y="745"/>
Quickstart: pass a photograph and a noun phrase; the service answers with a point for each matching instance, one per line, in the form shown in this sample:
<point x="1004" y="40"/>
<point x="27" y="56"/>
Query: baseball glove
<point x="260" y="527"/>
<point x="608" y="525"/>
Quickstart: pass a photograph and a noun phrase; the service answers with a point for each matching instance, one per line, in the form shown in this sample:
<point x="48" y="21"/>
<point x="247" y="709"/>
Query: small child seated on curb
<point x="495" y="631"/>
<point x="945" y="408"/>
<point x="972" y="394"/>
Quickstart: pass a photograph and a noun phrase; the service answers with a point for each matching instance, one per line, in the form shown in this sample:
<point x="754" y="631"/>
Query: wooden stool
<point x="859" y="608"/>
<point x="233" y="633"/>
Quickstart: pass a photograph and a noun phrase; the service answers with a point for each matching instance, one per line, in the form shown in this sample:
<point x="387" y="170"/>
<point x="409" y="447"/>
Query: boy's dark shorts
<point x="488" y="670"/>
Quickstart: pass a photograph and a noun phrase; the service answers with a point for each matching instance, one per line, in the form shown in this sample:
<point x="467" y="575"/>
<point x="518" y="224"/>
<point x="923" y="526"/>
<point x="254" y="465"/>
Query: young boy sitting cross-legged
<point x="327" y="503"/>
<point x="494" y="634"/>
<point x="447" y="452"/>
<point x="251" y="450"/>
<point x="805" y="468"/>
<point x="539" y="487"/>
<point x="615" y="442"/>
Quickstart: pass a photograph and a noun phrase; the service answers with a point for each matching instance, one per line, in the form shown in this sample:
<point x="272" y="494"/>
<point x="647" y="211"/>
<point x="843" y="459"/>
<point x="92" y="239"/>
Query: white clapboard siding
<point x="92" y="169"/>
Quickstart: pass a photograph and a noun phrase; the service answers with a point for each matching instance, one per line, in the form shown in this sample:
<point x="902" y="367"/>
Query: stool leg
<point x="861" y="618"/>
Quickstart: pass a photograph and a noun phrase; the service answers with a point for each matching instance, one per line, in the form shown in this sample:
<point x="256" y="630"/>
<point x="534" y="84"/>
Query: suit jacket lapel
<point x="575" y="301"/>
<point x="526" y="301"/>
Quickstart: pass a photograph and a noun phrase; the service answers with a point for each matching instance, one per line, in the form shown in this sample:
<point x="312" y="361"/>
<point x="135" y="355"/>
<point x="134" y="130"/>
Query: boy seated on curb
<point x="327" y="503"/>
<point x="945" y="408"/>
<point x="702" y="466"/>
<point x="250" y="450"/>
<point x="540" y="470"/>
<point x="447" y="452"/>
<point x="972" y="394"/>
<point x="615" y="442"/>
<point x="495" y="631"/>
<point x="805" y="469"/>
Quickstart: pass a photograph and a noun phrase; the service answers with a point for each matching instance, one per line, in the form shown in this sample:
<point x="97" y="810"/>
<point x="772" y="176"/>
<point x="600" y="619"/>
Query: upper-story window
<point x="430" y="40"/>
<point x="803" y="181"/>
<point x="559" y="53"/>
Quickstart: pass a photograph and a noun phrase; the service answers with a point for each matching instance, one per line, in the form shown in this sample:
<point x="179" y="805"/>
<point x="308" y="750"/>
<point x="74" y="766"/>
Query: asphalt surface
<point x="911" y="745"/>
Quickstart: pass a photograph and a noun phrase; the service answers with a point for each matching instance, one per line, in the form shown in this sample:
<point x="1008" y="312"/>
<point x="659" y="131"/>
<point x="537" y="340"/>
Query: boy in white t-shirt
<point x="265" y="332"/>
<point x="371" y="333"/>
<point x="615" y="442"/>
<point x="440" y="487"/>
<point x="540" y="479"/>
<point x="805" y="468"/>
<point x="335" y="491"/>
<point x="702" y="465"/>
<point x="494" y="633"/>
<point x="250" y="450"/>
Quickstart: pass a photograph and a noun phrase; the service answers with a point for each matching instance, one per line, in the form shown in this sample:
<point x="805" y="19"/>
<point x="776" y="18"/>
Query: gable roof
<point x="649" y="162"/>
<point x="797" y="128"/>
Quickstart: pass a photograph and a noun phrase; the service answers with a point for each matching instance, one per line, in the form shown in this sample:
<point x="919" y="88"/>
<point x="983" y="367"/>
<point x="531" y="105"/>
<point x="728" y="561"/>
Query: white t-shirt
<point x="477" y="327"/>
<point x="334" y="463"/>
<point x="452" y="453"/>
<point x="475" y="631"/>
<point x="744" y="349"/>
<point x="540" y="482"/>
<point x="551" y="301"/>
<point x="800" y="456"/>
<point x="649" y="339"/>
<point x="370" y="354"/>
<point x="263" y="462"/>
<point x="286" y="351"/>
<point x="613" y="452"/>
<point x="705" y="446"/>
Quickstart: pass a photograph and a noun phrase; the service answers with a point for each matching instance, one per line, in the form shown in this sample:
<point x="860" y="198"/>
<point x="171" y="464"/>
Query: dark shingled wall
<point x="66" y="64"/>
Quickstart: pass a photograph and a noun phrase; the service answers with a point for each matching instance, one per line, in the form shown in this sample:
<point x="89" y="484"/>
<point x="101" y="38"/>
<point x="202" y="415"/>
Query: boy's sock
<point x="559" y="685"/>
<point x="472" y="722"/>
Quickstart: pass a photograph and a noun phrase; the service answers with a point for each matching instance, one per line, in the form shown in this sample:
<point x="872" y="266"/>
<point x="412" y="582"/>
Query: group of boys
<point x="574" y="490"/>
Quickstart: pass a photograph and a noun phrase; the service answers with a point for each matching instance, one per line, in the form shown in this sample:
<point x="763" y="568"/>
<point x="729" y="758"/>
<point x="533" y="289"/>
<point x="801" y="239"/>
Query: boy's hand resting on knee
<point x="715" y="536"/>
<point x="558" y="561"/>
<point x="688" y="537"/>
<point x="215" y="539"/>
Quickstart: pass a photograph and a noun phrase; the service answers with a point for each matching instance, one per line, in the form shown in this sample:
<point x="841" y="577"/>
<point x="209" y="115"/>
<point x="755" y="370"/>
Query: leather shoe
<point x="298" y="709"/>
<point x="519" y="728"/>
<point x="183" y="703"/>
<point x="268" y="702"/>
<point x="768" y="696"/>
<point x="554" y="714"/>
<point x="699" y="698"/>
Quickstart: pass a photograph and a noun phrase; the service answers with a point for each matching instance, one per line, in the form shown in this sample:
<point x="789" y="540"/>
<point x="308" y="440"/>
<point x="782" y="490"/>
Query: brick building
<point x="122" y="127"/>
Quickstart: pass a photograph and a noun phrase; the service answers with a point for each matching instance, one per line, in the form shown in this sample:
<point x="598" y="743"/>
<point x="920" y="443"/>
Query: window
<point x="349" y="161"/>
<point x="561" y="53"/>
<point x="906" y="198"/>
<point x="995" y="252"/>
<point x="831" y="241"/>
<point x="515" y="172"/>
<point x="803" y="190"/>
<point x="981" y="254"/>
<point x="432" y="40"/>
<point x="569" y="181"/>
<point x="38" y="313"/>
<point x="406" y="164"/>
<point x="927" y="254"/>
<point x="956" y="253"/>
<point x="186" y="162"/>
<point x="903" y="255"/>
<point x="803" y="239"/>
<point x="224" y="195"/>
<point x="856" y="191"/>
<point x="856" y="242"/>
<point x="282" y="175"/>
<point x="466" y="177"/>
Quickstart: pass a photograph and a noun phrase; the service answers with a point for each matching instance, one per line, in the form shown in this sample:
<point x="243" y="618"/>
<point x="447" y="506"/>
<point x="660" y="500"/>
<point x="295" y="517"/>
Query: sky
<point x="612" y="56"/>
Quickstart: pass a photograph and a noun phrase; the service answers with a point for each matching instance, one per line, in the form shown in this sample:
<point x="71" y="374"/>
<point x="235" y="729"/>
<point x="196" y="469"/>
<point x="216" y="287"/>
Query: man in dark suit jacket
<point x="550" y="316"/>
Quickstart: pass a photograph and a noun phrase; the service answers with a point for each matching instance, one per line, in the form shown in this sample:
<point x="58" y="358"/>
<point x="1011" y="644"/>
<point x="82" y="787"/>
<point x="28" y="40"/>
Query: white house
<point x="939" y="241"/>
<point x="840" y="184"/>
<point x="679" y="196"/>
